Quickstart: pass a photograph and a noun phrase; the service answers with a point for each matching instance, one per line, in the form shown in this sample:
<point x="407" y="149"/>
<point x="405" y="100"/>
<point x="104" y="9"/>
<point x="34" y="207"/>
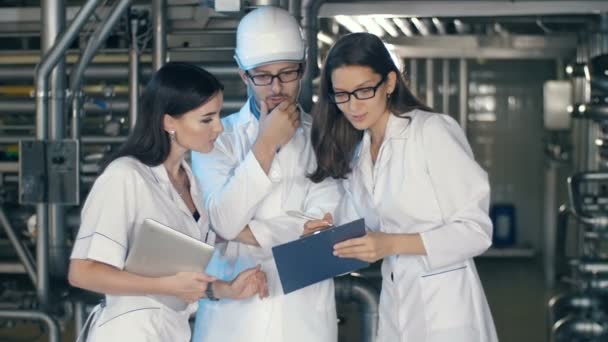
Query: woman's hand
<point x="370" y="248"/>
<point x="248" y="283"/>
<point x="315" y="225"/>
<point x="188" y="286"/>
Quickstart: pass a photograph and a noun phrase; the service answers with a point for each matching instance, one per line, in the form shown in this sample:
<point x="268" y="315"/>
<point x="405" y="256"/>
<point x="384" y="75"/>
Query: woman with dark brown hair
<point x="411" y="174"/>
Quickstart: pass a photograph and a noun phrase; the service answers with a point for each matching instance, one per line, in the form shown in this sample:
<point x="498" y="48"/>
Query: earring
<point x="172" y="135"/>
<point x="388" y="96"/>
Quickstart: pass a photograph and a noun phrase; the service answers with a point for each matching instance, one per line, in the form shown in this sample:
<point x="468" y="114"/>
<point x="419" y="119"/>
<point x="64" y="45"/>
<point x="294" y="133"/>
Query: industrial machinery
<point x="581" y="312"/>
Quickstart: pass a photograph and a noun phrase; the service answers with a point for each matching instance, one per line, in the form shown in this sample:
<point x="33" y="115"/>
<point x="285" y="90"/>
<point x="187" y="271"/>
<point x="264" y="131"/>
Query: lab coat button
<point x="392" y="277"/>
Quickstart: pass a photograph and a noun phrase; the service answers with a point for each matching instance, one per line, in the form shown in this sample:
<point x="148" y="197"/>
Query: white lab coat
<point x="237" y="193"/>
<point x="426" y="181"/>
<point x="123" y="196"/>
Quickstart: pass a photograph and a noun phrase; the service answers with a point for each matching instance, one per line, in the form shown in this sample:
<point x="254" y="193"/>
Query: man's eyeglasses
<point x="267" y="79"/>
<point x="361" y="93"/>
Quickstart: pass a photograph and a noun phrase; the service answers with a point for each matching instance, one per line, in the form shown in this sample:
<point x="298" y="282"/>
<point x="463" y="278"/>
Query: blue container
<point x="503" y="219"/>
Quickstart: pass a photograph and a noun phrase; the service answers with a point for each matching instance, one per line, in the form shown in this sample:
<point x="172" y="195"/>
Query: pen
<point x="299" y="214"/>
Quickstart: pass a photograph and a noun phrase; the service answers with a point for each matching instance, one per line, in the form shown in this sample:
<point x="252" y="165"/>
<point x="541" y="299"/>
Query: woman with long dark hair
<point x="148" y="178"/>
<point x="411" y="174"/>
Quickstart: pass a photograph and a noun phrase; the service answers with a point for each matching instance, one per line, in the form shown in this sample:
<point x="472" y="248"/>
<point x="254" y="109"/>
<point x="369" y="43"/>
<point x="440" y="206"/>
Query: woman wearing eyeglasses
<point x="411" y="174"/>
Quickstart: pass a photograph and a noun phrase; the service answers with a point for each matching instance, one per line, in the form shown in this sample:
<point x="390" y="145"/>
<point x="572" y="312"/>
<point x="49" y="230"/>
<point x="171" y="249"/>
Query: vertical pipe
<point x="350" y="288"/>
<point x="47" y="63"/>
<point x="463" y="81"/>
<point x="159" y="56"/>
<point x="550" y="222"/>
<point x="48" y="216"/>
<point x="79" y="316"/>
<point x="310" y="22"/>
<point x="445" y="103"/>
<point x="58" y="250"/>
<point x="559" y="69"/>
<point x="133" y="75"/>
<point x="414" y="76"/>
<point x="295" y="8"/>
<point x="430" y="83"/>
<point x="78" y="71"/>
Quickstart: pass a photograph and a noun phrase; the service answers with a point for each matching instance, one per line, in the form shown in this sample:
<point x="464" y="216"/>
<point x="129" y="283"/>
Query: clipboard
<point x="310" y="259"/>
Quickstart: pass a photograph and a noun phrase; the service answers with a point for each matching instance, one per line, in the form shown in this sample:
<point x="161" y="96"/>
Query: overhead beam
<point x="495" y="47"/>
<point x="462" y="8"/>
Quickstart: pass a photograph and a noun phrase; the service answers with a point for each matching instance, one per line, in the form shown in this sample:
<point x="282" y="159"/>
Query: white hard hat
<point x="266" y="35"/>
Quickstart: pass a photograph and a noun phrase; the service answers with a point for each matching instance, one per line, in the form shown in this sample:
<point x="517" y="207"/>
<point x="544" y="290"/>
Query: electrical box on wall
<point x="48" y="172"/>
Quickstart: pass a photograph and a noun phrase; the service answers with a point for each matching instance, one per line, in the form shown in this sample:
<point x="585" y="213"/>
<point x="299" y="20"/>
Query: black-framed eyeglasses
<point x="267" y="79"/>
<point x="360" y="93"/>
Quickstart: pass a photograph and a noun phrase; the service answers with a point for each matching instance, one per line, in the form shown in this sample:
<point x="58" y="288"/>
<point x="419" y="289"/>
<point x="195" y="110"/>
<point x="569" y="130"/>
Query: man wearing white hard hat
<point x="256" y="173"/>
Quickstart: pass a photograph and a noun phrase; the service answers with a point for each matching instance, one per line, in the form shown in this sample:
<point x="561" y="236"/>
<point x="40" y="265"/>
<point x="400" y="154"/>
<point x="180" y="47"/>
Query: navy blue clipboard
<point x="310" y="259"/>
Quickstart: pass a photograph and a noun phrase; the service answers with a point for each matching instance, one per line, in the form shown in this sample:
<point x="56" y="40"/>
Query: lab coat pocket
<point x="447" y="296"/>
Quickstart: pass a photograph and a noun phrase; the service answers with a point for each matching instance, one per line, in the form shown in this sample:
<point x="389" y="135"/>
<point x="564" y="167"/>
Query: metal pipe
<point x="79" y="316"/>
<point x="445" y="103"/>
<point x="51" y="323"/>
<point x="53" y="24"/>
<point x="98" y="37"/>
<point x="50" y="59"/>
<point x="430" y="83"/>
<point x="295" y="8"/>
<point x="24" y="255"/>
<point x="310" y="26"/>
<point x="550" y="224"/>
<point x="105" y="105"/>
<point x="357" y="289"/>
<point x="463" y="103"/>
<point x="133" y="75"/>
<point x="108" y="72"/>
<point x="414" y="76"/>
<point x="159" y="56"/>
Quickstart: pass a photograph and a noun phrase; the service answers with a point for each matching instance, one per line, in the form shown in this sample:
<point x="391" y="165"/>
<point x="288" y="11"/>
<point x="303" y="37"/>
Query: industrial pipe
<point x="48" y="62"/>
<point x="159" y="55"/>
<point x="133" y="75"/>
<point x="310" y="22"/>
<point x="98" y="37"/>
<point x="108" y="71"/>
<point x="350" y="288"/>
<point x="50" y="322"/>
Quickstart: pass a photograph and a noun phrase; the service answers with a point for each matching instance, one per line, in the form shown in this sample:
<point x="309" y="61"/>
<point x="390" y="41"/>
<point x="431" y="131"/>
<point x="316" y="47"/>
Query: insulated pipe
<point x="51" y="323"/>
<point x="159" y="55"/>
<point x="359" y="290"/>
<point x="309" y="23"/>
<point x="24" y="255"/>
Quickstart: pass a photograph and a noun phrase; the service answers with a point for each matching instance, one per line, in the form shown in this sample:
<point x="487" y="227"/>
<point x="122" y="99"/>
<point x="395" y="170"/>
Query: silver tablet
<point x="158" y="251"/>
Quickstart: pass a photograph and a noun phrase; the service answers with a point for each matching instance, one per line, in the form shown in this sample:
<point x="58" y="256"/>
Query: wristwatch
<point x="209" y="293"/>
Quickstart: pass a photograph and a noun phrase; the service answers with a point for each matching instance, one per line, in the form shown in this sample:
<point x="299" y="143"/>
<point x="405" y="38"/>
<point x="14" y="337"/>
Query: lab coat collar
<point x="161" y="174"/>
<point x="396" y="128"/>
